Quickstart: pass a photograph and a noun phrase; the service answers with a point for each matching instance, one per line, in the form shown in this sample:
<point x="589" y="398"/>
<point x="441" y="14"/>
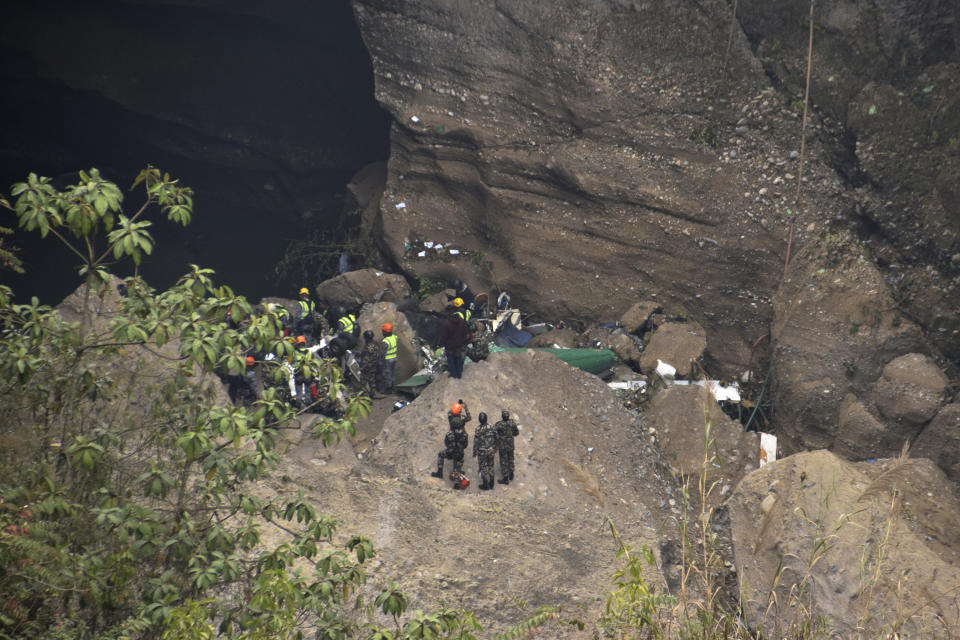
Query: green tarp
<point x="589" y="360"/>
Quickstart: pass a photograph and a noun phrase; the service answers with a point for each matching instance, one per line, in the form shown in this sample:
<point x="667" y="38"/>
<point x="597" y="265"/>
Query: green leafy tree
<point x="127" y="507"/>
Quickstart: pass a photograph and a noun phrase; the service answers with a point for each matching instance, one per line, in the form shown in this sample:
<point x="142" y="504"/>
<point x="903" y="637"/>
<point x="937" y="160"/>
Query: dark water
<point x="265" y="116"/>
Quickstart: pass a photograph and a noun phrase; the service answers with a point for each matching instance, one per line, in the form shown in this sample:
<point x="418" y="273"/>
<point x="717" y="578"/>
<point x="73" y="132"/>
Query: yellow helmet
<point x="458" y="302"/>
<point x="304" y="290"/>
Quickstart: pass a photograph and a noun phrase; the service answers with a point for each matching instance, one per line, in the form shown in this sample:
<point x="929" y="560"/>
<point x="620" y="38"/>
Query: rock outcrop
<point x="887" y="77"/>
<point x="353" y="288"/>
<point x="872" y="547"/>
<point x="581" y="153"/>
<point x="835" y="328"/>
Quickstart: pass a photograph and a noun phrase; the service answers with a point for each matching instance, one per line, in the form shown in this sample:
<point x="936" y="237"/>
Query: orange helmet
<point x="458" y="302"/>
<point x="250" y="361"/>
<point x="456" y="408"/>
<point x="387" y="327"/>
<point x="301" y="340"/>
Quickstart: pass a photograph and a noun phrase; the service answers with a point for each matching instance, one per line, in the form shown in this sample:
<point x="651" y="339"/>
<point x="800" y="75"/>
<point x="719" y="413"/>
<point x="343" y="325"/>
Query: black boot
<point x="486" y="486"/>
<point x="438" y="473"/>
<point x="511" y="476"/>
<point x="504" y="480"/>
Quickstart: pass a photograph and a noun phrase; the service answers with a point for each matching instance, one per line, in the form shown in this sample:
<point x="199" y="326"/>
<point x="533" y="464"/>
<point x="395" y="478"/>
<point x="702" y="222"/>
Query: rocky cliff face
<point x="620" y="148"/>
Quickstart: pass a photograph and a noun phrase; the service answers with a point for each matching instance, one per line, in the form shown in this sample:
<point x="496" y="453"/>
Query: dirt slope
<point x="540" y="540"/>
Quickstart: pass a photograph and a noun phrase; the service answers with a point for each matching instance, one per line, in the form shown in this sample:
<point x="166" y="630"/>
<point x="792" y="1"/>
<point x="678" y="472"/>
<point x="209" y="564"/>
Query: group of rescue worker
<point x="488" y="440"/>
<point x="309" y="329"/>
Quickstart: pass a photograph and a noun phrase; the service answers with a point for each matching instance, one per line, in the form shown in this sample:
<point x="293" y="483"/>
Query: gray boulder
<point x="873" y="548"/>
<point x="355" y="288"/>
<point x="940" y="441"/>
<point x="373" y="317"/>
<point x="679" y="344"/>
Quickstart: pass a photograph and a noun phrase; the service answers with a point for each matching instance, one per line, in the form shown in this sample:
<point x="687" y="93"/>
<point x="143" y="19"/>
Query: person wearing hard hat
<point x="454" y="444"/>
<point x="247" y="385"/>
<point x="461" y="309"/>
<point x="453" y="337"/>
<point x="388" y="355"/>
<point x="347" y="327"/>
<point x="369" y="363"/>
<point x="303" y="319"/>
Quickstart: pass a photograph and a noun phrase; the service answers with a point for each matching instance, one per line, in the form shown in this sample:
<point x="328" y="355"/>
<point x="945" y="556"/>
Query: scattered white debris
<point x="422" y="254"/>
<point x="438" y="246"/>
<point x="402" y="205"/>
<point x="729" y="393"/>
<point x="428" y="244"/>
<point x="589" y="449"/>
<point x="629" y="385"/>
<point x="665" y="370"/>
<point x="768" y="448"/>
<point x="454" y="252"/>
<point x="414" y="119"/>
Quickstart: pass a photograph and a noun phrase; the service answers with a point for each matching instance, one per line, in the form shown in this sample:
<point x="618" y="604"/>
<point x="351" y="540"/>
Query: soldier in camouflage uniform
<point x="485" y="450"/>
<point x="479" y="349"/>
<point x="506" y="431"/>
<point x="369" y="359"/>
<point x="454" y="443"/>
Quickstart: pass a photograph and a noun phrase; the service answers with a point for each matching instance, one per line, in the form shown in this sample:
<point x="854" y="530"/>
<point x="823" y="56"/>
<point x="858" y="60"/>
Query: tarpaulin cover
<point x="509" y="336"/>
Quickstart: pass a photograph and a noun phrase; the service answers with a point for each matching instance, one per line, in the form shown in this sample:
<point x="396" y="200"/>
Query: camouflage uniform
<point x="369" y="359"/>
<point x="479" y="349"/>
<point x="506" y="431"/>
<point x="454" y="443"/>
<point x="485" y="450"/>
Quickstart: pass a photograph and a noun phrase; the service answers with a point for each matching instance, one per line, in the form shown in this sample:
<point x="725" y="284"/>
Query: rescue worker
<point x="453" y="337"/>
<point x="388" y="354"/>
<point x="506" y="431"/>
<point x="369" y="362"/>
<point x="306" y="310"/>
<point x="347" y="327"/>
<point x="485" y="450"/>
<point x="479" y="347"/>
<point x="462" y="291"/>
<point x="461" y="309"/>
<point x="247" y="388"/>
<point x="454" y="443"/>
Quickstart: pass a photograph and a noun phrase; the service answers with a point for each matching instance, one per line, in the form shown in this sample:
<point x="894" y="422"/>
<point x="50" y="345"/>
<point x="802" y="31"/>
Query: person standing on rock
<point x="506" y="431"/>
<point x="485" y="450"/>
<point x="369" y="361"/>
<point x="453" y="337"/>
<point x="454" y="443"/>
<point x="388" y="355"/>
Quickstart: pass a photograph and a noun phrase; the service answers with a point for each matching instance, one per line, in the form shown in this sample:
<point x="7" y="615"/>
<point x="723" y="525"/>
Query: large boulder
<point x="636" y="319"/>
<point x="836" y="326"/>
<point x="373" y="317"/>
<point x="627" y="348"/>
<point x="874" y="548"/>
<point x="354" y="288"/>
<point x="910" y="391"/>
<point x="692" y="430"/>
<point x="940" y="441"/>
<point x="680" y="344"/>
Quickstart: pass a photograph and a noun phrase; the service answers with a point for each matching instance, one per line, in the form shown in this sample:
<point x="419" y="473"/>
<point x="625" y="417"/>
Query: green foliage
<point x="634" y="609"/>
<point x="126" y="507"/>
<point x="426" y="287"/>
